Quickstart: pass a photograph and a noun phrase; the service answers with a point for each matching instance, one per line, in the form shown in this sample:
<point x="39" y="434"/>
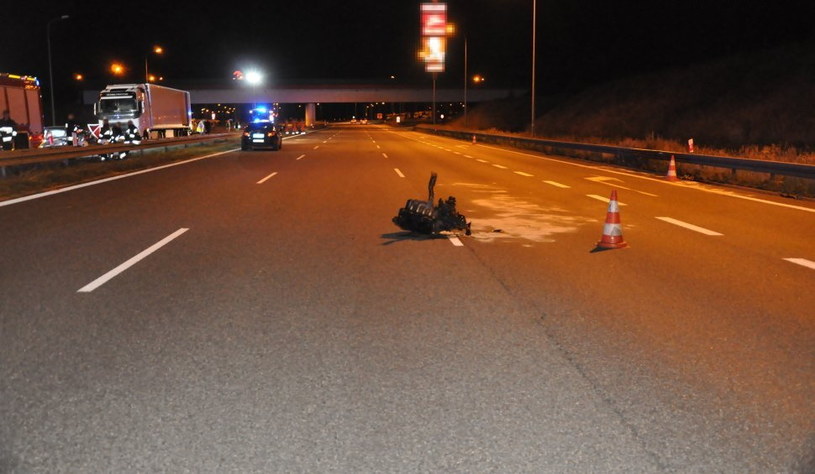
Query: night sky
<point x="579" y="42"/>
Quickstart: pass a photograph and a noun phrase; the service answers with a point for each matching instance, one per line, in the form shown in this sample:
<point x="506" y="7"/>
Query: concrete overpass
<point x="343" y="94"/>
<point x="312" y="94"/>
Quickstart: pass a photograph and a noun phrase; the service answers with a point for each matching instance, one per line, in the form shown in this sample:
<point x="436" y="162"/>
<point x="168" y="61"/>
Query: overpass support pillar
<point x="311" y="114"/>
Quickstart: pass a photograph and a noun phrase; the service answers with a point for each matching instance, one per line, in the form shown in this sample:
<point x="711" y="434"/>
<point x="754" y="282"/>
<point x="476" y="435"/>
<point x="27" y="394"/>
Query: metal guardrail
<point x="44" y="155"/>
<point x="773" y="168"/>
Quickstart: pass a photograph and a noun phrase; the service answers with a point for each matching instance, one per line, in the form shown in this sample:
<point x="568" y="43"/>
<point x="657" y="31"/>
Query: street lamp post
<point x="157" y="50"/>
<point x="434" y="99"/>
<point x="50" y="67"/>
<point x="465" y="82"/>
<point x="534" y="28"/>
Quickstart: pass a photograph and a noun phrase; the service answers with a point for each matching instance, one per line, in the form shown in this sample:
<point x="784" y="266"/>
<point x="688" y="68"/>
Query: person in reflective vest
<point x="132" y="134"/>
<point x="105" y="133"/>
<point x="8" y="130"/>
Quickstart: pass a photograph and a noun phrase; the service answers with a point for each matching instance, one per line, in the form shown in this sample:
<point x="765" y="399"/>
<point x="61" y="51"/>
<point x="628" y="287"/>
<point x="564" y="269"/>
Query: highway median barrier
<point x="788" y="178"/>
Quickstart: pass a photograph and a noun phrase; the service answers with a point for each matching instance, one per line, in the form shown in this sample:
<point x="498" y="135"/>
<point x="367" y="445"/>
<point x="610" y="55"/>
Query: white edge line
<point x="112" y="178"/>
<point x="802" y="261"/>
<point x="692" y="227"/>
<point x="399" y="172"/>
<point x="266" y="178"/>
<point x="456" y="242"/>
<point x="107" y="276"/>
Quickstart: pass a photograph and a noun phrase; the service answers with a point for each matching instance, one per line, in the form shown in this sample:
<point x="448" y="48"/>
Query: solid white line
<point x="107" y="276"/>
<point x="112" y="178"/>
<point x="557" y="185"/>
<point x="604" y="199"/>
<point x="802" y="261"/>
<point x="385" y="155"/>
<point x="300" y="157"/>
<point x="523" y="174"/>
<point x="692" y="227"/>
<point x="456" y="242"/>
<point x="266" y="178"/>
<point x="399" y="172"/>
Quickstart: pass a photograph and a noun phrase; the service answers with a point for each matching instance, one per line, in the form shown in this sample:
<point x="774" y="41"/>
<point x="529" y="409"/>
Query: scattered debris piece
<point x="422" y="217"/>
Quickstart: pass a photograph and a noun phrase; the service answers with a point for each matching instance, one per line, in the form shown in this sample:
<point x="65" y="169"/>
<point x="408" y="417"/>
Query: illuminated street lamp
<point x="254" y="77"/>
<point x="50" y="67"/>
<point x="117" y="69"/>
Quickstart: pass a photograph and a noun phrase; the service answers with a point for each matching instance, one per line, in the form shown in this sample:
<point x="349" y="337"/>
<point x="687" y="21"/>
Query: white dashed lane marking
<point x="692" y="227"/>
<point x="802" y="261"/>
<point x="604" y="199"/>
<point x="134" y="260"/>
<point x="266" y="178"/>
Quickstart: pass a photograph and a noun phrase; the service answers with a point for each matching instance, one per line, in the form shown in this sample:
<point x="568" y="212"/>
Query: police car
<point x="261" y="134"/>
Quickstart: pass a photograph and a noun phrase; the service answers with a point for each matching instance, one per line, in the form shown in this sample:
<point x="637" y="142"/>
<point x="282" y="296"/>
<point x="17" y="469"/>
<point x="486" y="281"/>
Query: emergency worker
<point x="8" y="130"/>
<point x="105" y="133"/>
<point x="106" y="137"/>
<point x="73" y="130"/>
<point x="132" y="134"/>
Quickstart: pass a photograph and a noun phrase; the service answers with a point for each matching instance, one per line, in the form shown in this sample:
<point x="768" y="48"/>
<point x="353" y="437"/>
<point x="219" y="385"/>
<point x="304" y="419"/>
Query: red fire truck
<point x="20" y="95"/>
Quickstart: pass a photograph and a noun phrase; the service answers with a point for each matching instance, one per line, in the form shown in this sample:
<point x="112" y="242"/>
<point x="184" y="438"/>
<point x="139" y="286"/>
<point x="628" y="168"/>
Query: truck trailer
<point x="20" y="95"/>
<point x="157" y="111"/>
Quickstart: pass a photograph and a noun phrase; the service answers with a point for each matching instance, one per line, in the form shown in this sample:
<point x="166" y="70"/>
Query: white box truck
<point x="157" y="111"/>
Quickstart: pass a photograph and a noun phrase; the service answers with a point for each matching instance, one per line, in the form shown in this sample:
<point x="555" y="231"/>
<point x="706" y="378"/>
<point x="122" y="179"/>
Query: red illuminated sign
<point x="434" y="33"/>
<point x="434" y="19"/>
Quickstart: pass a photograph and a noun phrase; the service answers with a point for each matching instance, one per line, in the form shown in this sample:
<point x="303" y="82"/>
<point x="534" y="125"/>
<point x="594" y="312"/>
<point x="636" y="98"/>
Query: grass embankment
<point x="756" y="105"/>
<point x="38" y="178"/>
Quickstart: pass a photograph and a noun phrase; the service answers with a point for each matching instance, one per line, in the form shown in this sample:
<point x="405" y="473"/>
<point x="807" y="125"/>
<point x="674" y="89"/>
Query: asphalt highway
<point x="260" y="312"/>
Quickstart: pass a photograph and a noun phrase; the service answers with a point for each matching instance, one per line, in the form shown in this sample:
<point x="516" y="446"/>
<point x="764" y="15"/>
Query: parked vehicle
<point x="20" y="95"/>
<point x="157" y="111"/>
<point x="54" y="137"/>
<point x="261" y="134"/>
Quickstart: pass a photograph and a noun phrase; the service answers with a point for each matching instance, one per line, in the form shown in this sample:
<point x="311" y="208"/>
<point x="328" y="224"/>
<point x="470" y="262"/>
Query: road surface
<point x="259" y="312"/>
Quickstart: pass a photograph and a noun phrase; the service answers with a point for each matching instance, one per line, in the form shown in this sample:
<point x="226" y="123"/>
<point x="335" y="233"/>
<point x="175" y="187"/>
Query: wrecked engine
<point x="422" y="217"/>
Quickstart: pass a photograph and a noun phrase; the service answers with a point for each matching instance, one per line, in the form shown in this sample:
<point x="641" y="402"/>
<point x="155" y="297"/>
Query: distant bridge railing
<point x="622" y="154"/>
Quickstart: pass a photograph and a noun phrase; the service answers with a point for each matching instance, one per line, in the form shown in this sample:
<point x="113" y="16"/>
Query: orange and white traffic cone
<point x="671" y="176"/>
<point x="612" y="230"/>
